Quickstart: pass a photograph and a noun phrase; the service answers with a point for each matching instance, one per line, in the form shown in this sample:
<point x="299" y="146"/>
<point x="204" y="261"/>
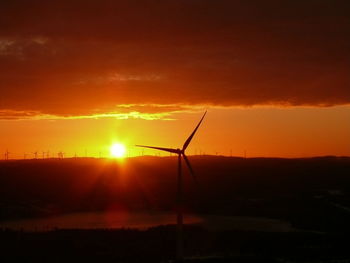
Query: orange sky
<point x="78" y="75"/>
<point x="260" y="131"/>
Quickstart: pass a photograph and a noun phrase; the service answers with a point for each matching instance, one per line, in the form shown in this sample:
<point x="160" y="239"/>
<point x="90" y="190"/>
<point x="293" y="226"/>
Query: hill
<point x="311" y="193"/>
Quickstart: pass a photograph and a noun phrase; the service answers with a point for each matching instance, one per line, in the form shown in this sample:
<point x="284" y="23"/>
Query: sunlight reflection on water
<point x="93" y="220"/>
<point x="114" y="220"/>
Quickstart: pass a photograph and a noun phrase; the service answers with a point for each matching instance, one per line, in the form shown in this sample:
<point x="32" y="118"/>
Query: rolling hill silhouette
<point x="310" y="193"/>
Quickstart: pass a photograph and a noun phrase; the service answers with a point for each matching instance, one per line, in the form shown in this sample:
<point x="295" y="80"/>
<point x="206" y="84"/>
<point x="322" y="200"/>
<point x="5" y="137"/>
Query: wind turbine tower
<point x="181" y="154"/>
<point x="7" y="153"/>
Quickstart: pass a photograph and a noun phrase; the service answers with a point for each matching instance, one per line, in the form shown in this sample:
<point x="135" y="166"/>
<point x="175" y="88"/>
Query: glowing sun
<point x="118" y="150"/>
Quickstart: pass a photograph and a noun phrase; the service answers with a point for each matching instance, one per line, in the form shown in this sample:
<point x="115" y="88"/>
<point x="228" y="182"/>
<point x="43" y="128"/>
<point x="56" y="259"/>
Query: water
<point x="96" y="220"/>
<point x="114" y="220"/>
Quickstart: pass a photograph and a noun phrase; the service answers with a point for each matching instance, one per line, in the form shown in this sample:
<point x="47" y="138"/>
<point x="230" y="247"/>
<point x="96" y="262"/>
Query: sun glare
<point x="118" y="150"/>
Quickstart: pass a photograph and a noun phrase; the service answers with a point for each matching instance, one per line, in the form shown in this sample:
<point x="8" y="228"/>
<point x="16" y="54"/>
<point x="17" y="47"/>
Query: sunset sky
<point x="82" y="75"/>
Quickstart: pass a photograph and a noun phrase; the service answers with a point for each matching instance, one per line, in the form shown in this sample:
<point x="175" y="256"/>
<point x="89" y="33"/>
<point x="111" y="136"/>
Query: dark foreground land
<point x="157" y="245"/>
<point x="312" y="195"/>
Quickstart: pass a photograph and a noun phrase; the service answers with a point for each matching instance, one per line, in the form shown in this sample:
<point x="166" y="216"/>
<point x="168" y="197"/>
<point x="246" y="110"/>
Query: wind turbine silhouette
<point x="61" y="155"/>
<point x="180" y="153"/>
<point x="7" y="153"/>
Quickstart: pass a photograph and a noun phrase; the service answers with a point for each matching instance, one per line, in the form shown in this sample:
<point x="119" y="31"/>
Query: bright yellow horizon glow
<point x="118" y="150"/>
<point x="258" y="132"/>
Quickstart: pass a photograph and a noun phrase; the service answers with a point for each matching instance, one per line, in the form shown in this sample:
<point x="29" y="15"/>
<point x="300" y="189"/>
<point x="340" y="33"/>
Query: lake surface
<point x="114" y="220"/>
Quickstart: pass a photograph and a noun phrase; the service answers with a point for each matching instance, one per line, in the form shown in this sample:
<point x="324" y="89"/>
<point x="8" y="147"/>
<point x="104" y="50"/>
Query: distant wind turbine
<point x="7" y="153"/>
<point x="180" y="153"/>
<point x="60" y="155"/>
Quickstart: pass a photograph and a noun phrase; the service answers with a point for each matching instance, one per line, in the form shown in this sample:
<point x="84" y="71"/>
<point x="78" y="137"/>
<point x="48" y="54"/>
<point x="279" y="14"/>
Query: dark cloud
<point x="79" y="57"/>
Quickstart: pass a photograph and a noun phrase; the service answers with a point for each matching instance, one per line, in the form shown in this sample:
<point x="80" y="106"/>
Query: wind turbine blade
<point x="190" y="167"/>
<point x="159" y="148"/>
<point x="187" y="142"/>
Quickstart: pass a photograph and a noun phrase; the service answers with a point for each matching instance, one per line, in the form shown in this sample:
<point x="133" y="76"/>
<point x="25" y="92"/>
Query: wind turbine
<point x="7" y="153"/>
<point x="181" y="154"/>
<point x="61" y="155"/>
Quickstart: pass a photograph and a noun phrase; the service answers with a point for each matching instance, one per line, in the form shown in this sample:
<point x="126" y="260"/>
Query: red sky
<point x="74" y="62"/>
